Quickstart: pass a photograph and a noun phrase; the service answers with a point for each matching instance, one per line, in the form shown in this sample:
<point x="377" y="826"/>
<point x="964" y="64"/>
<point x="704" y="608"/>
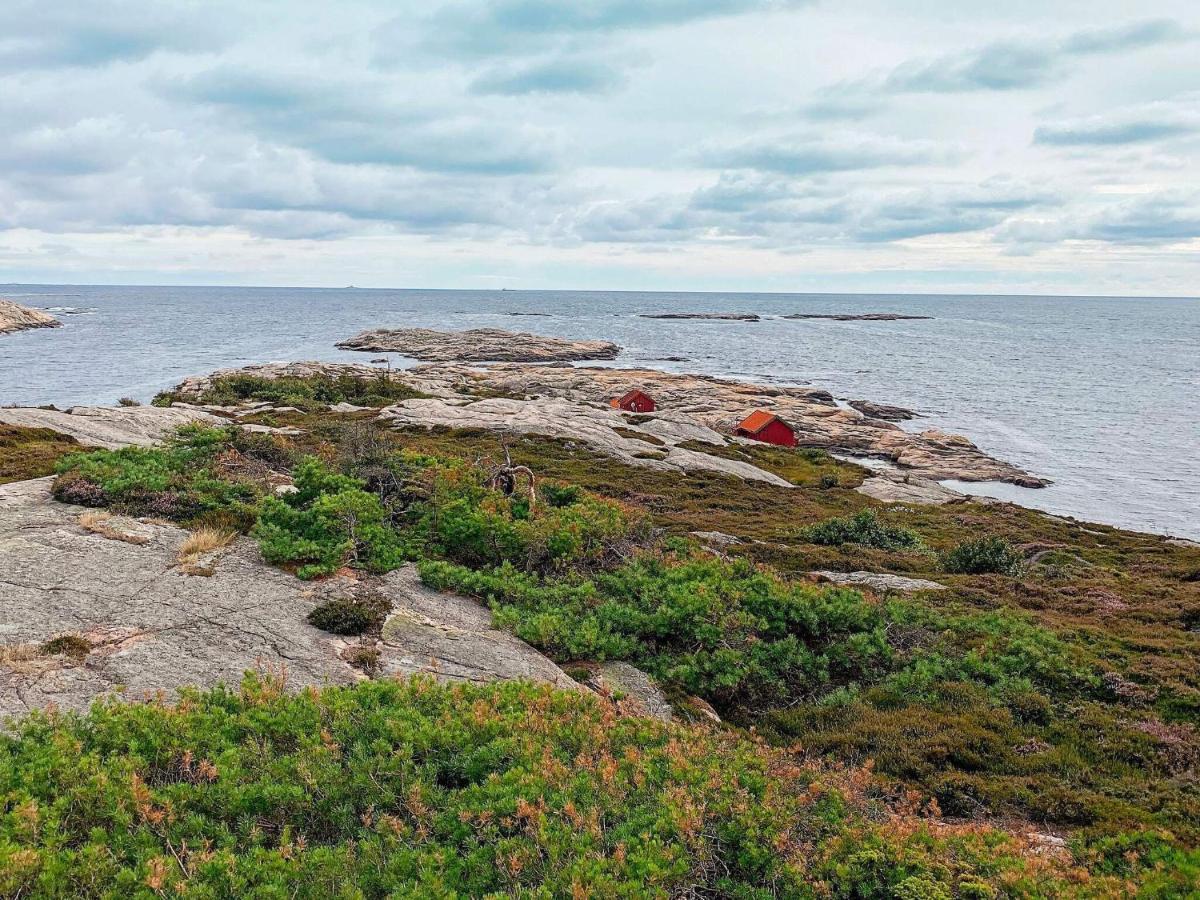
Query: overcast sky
<point x="1016" y="146"/>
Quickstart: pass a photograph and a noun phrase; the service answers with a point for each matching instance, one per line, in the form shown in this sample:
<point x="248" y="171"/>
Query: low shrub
<point x="729" y="631"/>
<point x="410" y="789"/>
<point x="329" y="522"/>
<point x="985" y="556"/>
<point x="177" y="481"/>
<point x="351" y="615"/>
<point x="864" y="528"/>
<point x="306" y="393"/>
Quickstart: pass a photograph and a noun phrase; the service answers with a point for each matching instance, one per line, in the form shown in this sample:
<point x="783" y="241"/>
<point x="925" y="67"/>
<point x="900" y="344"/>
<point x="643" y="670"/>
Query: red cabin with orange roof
<point x="767" y="427"/>
<point x="634" y="401"/>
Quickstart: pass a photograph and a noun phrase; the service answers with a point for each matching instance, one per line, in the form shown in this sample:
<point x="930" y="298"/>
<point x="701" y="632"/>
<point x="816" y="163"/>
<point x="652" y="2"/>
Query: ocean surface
<point x="1102" y="395"/>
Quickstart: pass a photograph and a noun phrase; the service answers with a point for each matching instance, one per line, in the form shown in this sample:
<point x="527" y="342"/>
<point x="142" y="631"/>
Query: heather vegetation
<point x="1052" y="684"/>
<point x="31" y="452"/>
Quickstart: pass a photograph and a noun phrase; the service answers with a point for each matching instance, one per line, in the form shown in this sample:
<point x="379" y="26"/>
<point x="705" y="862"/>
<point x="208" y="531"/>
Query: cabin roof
<point x="633" y="395"/>
<point x="757" y="421"/>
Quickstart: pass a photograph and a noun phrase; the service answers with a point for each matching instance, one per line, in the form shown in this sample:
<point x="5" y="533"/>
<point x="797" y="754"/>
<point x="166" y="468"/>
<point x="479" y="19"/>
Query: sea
<point x="1099" y="394"/>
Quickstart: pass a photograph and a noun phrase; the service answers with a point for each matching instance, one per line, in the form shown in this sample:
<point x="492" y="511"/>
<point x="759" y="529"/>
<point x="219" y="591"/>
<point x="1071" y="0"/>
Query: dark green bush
<point x="991" y="555"/>
<point x="727" y="630"/>
<point x="329" y="522"/>
<point x="863" y="528"/>
<point x="351" y="615"/>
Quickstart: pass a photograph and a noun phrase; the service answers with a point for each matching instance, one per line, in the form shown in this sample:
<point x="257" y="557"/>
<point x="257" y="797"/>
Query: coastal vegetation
<point x="31" y="452"/>
<point x="410" y="789"/>
<point x="1049" y="687"/>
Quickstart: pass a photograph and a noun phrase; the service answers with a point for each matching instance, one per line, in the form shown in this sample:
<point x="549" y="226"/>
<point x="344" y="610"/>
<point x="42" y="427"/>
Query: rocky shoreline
<point x="14" y="317"/>
<point x="477" y="345"/>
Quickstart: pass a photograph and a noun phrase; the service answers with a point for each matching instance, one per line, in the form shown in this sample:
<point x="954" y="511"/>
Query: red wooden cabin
<point x="763" y="426"/>
<point x="634" y="401"/>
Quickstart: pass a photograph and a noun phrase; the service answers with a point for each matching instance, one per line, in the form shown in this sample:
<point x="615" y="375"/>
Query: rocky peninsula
<point x="503" y="530"/>
<point x="14" y="317"/>
<point x="477" y="345"/>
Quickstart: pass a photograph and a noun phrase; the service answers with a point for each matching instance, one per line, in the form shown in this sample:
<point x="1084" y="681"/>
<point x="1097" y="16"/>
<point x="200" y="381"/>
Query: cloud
<point x="35" y="35"/>
<point x="1019" y="64"/>
<point x="551" y="76"/>
<point x="1159" y="218"/>
<point x="365" y="121"/>
<point x="90" y="145"/>
<point x="771" y="211"/>
<point x="803" y="154"/>
<point x="487" y="27"/>
<point x="1149" y="122"/>
<point x="1126" y="37"/>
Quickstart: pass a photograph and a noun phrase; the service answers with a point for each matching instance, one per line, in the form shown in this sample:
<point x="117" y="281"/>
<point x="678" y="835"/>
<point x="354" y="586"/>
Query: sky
<point x="756" y="145"/>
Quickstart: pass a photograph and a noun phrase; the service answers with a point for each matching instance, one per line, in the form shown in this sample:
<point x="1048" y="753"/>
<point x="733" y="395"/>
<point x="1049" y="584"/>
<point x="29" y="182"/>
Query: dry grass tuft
<point x="20" y="658"/>
<point x="200" y="542"/>
<point x="100" y="523"/>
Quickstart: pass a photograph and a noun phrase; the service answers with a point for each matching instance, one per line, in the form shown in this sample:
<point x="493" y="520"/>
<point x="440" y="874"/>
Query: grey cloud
<point x="553" y="76"/>
<point x="364" y="122"/>
<point x="1163" y="218"/>
<point x="1101" y="132"/>
<point x="802" y="154"/>
<point x="1018" y="64"/>
<point x="777" y="212"/>
<point x="1126" y="37"/>
<point x="505" y="26"/>
<point x="45" y="35"/>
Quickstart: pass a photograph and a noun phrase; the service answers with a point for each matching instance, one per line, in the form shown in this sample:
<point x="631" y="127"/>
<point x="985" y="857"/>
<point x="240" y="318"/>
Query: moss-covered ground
<point x="31" y="452"/>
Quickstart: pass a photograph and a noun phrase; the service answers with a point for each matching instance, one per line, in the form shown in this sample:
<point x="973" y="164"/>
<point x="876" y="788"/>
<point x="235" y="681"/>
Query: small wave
<point x="70" y="310"/>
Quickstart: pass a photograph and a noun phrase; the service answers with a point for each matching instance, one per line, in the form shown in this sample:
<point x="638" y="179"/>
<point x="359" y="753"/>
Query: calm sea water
<point x="1100" y="394"/>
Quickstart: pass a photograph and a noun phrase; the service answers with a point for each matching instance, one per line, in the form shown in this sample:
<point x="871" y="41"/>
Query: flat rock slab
<point x="881" y="582"/>
<point x="897" y="489"/>
<point x="594" y="426"/>
<point x="109" y="427"/>
<point x="154" y="628"/>
<point x="477" y="344"/>
<point x="451" y="637"/>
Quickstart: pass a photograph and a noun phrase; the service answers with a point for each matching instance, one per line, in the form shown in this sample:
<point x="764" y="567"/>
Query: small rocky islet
<point x="14" y="317"/>
<point x="102" y="599"/>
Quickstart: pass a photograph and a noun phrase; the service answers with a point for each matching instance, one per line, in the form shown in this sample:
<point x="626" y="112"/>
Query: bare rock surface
<point x="883" y="411"/>
<point x="634" y="692"/>
<point x="719" y="404"/>
<point x="452" y="638"/>
<point x="593" y="426"/>
<point x="478" y="344"/>
<point x="891" y="488"/>
<point x="153" y="628"/>
<point x="14" y="317"/>
<point x="881" y="582"/>
<point x="108" y="427"/>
